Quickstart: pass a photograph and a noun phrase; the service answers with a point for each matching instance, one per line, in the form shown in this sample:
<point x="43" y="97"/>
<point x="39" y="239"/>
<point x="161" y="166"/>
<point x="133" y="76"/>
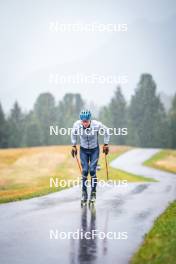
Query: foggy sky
<point x="30" y="52"/>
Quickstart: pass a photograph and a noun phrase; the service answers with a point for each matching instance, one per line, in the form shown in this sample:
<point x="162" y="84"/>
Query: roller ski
<point x="92" y="199"/>
<point x="84" y="199"/>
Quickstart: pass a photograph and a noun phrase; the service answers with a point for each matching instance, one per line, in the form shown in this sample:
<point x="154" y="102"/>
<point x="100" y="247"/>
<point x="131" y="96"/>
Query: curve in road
<point x="29" y="229"/>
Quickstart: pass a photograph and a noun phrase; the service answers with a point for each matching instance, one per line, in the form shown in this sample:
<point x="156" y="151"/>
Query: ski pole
<point x="79" y="165"/>
<point x="107" y="172"/>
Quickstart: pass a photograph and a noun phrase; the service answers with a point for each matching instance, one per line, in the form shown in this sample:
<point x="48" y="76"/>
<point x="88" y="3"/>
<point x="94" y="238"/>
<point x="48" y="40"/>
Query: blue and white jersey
<point x="89" y="136"/>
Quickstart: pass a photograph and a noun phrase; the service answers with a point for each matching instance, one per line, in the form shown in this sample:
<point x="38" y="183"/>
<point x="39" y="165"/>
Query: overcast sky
<point x="31" y="53"/>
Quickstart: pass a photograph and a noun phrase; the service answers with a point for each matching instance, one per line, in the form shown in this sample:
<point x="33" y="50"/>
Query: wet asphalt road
<point x="25" y="226"/>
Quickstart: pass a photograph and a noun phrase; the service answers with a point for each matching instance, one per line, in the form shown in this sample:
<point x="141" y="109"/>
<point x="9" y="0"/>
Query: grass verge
<point x="163" y="160"/>
<point x="159" y="245"/>
<point x="26" y="172"/>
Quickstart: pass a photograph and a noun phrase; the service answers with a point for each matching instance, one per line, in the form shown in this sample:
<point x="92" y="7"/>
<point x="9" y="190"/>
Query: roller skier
<point x="87" y="130"/>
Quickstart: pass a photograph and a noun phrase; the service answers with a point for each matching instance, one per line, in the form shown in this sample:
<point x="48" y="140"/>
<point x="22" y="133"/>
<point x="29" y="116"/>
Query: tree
<point x="15" y="126"/>
<point x="68" y="111"/>
<point x="3" y="129"/>
<point x="148" y="126"/>
<point x="105" y="116"/>
<point x="172" y="123"/>
<point x="45" y="115"/>
<point x="118" y="111"/>
<point x="32" y="132"/>
<point x="114" y="115"/>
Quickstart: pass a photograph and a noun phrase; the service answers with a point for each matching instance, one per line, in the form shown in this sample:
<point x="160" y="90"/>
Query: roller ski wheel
<point x="84" y="199"/>
<point x="83" y="203"/>
<point x="92" y="199"/>
<point x="91" y="203"/>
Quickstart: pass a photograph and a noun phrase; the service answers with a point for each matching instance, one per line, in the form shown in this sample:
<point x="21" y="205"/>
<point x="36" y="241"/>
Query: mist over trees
<point x="3" y="130"/>
<point x="148" y="123"/>
<point x="115" y="115"/>
<point x="172" y="123"/>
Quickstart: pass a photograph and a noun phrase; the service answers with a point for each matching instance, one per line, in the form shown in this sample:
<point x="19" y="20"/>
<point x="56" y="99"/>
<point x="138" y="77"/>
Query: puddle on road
<point x="144" y="214"/>
<point x="140" y="188"/>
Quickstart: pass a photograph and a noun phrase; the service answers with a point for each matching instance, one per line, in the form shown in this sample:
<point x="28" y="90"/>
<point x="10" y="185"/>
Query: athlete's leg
<point x="84" y="157"/>
<point x="93" y="164"/>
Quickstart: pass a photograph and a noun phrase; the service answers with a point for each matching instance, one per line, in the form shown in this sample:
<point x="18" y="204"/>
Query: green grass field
<point x="26" y="172"/>
<point x="159" y="246"/>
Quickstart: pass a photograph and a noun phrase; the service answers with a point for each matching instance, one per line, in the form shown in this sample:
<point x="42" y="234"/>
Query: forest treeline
<point x="148" y="123"/>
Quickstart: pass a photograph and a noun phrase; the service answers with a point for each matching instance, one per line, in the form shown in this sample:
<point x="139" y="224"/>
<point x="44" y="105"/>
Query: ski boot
<point x="92" y="198"/>
<point x="84" y="198"/>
